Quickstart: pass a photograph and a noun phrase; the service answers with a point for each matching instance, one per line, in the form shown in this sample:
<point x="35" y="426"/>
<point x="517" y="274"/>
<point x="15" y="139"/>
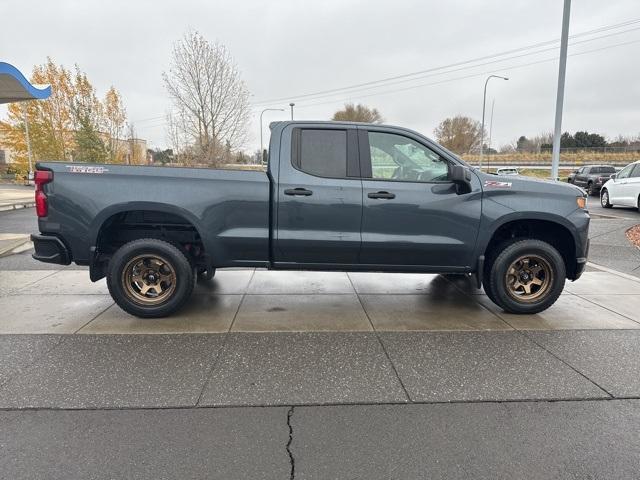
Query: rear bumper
<point x="50" y="249"/>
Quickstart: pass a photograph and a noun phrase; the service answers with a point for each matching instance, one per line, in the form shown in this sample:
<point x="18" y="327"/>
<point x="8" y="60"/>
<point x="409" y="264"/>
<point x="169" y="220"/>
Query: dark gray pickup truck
<point x="591" y="177"/>
<point x="335" y="196"/>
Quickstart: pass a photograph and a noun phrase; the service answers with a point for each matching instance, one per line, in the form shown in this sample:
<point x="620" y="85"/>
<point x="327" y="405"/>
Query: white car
<point x="623" y="188"/>
<point x="507" y="171"/>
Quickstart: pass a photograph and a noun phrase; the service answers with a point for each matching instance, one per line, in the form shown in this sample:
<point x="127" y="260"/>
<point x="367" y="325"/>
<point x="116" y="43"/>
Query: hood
<point x="519" y="183"/>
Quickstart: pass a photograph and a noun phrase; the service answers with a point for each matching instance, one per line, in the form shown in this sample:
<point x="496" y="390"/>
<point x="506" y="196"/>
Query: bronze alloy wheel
<point x="148" y="279"/>
<point x="529" y="278"/>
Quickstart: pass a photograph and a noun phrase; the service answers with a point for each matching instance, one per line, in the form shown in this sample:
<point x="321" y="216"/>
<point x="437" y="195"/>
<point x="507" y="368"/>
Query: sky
<point x="288" y="49"/>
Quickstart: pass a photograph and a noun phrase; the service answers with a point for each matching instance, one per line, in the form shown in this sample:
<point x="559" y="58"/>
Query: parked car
<point x="335" y="196"/>
<point x="507" y="171"/>
<point x="591" y="177"/>
<point x="623" y="188"/>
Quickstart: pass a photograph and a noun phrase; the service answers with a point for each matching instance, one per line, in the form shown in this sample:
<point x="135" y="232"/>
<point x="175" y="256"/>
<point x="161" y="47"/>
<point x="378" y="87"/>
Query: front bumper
<point x="581" y="262"/>
<point x="50" y="249"/>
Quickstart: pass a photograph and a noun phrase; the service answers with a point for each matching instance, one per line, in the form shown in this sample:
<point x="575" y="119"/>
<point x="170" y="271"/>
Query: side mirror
<point x="461" y="176"/>
<point x="612" y="177"/>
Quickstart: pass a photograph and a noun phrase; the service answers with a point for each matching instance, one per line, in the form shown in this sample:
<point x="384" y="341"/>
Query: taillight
<point x="42" y="177"/>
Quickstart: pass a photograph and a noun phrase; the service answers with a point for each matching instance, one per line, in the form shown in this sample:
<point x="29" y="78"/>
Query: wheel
<point x="638" y="204"/>
<point x="150" y="278"/>
<point x="205" y="274"/>
<point x="527" y="276"/>
<point x="604" y="199"/>
<point x="590" y="190"/>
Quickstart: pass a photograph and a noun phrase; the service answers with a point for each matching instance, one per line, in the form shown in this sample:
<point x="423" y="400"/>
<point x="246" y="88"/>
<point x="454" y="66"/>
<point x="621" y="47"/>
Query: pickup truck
<point x="334" y="196"/>
<point x="591" y="177"/>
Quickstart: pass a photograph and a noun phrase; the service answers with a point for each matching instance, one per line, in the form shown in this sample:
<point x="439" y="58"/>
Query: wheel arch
<point x="553" y="229"/>
<point x="111" y="214"/>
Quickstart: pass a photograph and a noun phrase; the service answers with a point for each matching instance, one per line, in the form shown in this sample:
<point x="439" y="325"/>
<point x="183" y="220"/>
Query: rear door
<point x="319" y="193"/>
<point x="412" y="215"/>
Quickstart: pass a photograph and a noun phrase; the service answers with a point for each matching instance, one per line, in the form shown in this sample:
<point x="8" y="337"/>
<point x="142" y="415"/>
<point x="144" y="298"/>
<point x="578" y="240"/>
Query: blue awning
<point x="14" y="87"/>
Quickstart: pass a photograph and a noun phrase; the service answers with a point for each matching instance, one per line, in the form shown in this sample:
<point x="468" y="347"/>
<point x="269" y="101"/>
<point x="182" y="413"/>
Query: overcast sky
<point x="290" y="48"/>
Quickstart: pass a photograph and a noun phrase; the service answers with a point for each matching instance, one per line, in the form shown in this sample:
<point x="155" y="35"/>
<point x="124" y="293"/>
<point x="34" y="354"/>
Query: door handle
<point x="383" y="195"/>
<point x="298" y="192"/>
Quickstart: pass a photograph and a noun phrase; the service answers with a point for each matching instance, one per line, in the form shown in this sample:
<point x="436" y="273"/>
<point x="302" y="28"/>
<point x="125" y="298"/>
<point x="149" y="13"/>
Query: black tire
<point x="638" y="204"/>
<point x="127" y="293"/>
<point x="552" y="282"/>
<point x="590" y="190"/>
<point x="604" y="199"/>
<point x="205" y="274"/>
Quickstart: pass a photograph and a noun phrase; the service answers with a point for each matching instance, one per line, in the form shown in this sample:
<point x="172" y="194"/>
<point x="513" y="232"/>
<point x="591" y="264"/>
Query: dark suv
<point x="591" y="177"/>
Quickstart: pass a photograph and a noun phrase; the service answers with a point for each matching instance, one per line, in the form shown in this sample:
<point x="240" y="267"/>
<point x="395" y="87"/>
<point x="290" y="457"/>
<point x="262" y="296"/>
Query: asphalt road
<point x="541" y="440"/>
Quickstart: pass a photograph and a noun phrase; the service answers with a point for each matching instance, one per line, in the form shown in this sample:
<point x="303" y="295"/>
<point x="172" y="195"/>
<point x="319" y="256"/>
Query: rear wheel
<point x="150" y="278"/>
<point x="527" y="276"/>
<point x="590" y="189"/>
<point x="604" y="199"/>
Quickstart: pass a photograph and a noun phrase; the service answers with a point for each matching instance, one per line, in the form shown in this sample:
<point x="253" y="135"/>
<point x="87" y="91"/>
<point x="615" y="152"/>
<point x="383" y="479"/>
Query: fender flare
<point x="99" y="220"/>
<point x="485" y="238"/>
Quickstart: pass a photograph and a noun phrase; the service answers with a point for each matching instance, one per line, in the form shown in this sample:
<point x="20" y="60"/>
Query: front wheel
<point x="604" y="199"/>
<point x="527" y="276"/>
<point x="150" y="278"/>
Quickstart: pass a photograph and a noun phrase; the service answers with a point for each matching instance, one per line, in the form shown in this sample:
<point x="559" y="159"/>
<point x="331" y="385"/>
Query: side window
<point x="624" y="173"/>
<point x="396" y="157"/>
<point x="320" y="152"/>
<point x="636" y="171"/>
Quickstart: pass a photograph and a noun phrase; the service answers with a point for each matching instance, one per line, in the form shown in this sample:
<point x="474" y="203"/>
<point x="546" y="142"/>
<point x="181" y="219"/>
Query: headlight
<point x="581" y="201"/>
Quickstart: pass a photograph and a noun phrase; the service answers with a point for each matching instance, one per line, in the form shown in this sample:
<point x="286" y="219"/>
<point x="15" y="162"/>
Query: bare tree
<point x="205" y="86"/>
<point x="358" y="113"/>
<point x="459" y="134"/>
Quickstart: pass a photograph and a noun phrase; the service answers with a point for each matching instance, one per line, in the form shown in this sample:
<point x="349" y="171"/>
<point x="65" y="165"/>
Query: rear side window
<point x="320" y="152"/>
<point x="606" y="170"/>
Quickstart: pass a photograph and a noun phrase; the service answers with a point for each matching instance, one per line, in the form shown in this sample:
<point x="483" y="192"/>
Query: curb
<point x="614" y="272"/>
<point x="15" y="245"/>
<point x="16" y="206"/>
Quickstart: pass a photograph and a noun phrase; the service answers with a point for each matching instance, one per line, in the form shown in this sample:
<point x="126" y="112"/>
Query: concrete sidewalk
<point x="13" y="197"/>
<point x="272" y="301"/>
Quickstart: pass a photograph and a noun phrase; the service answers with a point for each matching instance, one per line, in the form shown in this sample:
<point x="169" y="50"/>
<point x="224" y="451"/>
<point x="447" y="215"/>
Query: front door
<point x="319" y="210"/>
<point x="412" y="214"/>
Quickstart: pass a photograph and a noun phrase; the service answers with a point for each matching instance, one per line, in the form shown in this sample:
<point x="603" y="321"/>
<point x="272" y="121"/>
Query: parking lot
<point x="322" y="375"/>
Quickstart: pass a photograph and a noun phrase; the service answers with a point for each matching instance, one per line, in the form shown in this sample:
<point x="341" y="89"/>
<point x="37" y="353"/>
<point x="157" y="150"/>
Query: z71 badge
<point x="86" y="169"/>
<point x="496" y="184"/>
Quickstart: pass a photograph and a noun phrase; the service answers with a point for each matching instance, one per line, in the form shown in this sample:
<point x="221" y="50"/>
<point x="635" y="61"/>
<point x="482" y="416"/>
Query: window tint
<point x="605" y="170"/>
<point x="396" y="157"/>
<point x="323" y="152"/>
<point x="636" y="171"/>
<point x="624" y="173"/>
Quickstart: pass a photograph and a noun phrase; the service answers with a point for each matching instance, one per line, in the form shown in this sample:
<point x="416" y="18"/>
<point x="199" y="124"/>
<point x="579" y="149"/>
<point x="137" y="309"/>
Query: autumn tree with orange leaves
<point x="72" y="124"/>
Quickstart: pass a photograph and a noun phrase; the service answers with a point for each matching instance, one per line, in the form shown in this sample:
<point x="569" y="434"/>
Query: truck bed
<point x="228" y="208"/>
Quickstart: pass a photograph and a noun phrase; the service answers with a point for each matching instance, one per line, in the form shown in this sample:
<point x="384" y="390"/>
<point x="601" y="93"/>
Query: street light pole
<point x="28" y="138"/>
<point x="261" y="147"/>
<point x="484" y="102"/>
<point x="557" y="131"/>
<point x="292" y="105"/>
